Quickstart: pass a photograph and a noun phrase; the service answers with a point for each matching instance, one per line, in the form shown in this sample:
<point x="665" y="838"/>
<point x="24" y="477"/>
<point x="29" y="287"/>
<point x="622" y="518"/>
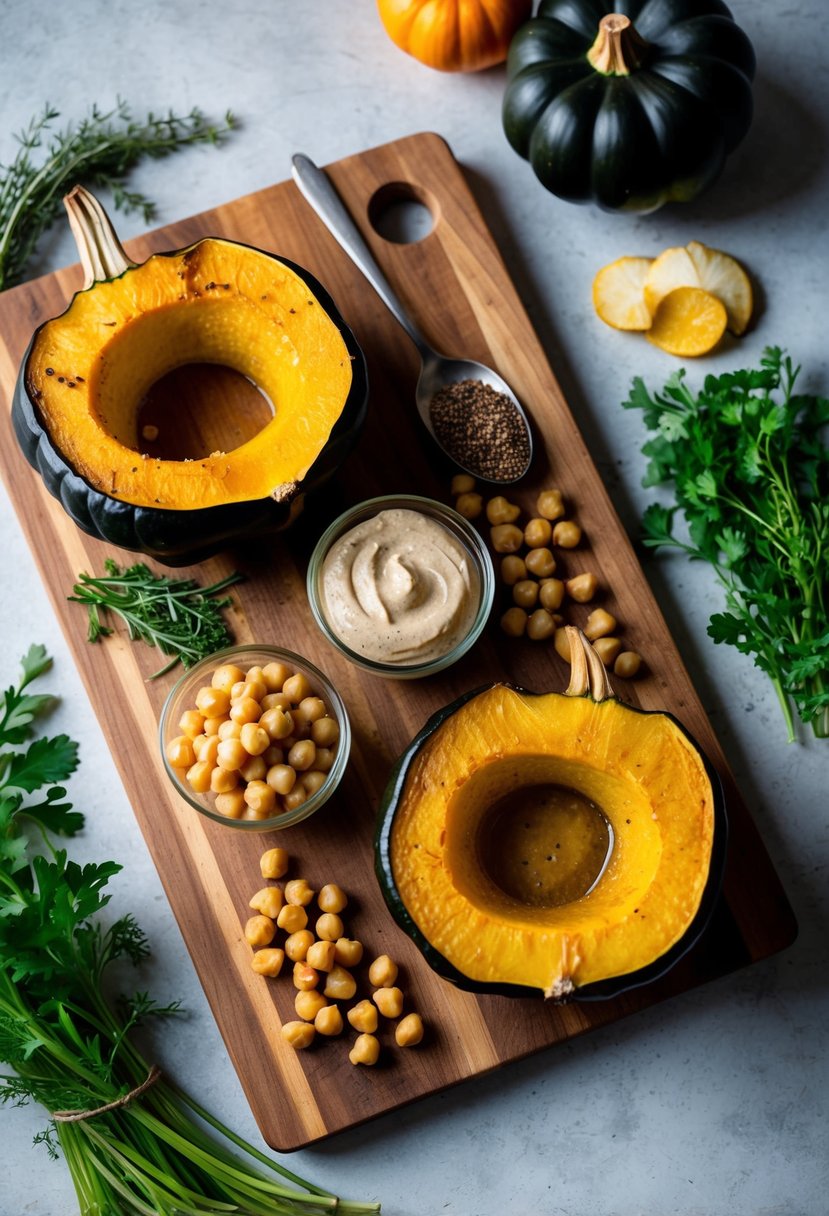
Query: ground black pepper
<point x="481" y="429"/>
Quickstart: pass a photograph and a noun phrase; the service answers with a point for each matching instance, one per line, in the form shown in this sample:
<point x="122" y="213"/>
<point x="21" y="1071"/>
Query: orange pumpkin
<point x="454" y="35"/>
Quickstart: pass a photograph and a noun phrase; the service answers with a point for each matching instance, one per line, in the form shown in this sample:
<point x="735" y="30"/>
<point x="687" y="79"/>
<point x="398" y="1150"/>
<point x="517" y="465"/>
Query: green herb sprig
<point x="71" y="1049"/>
<point x="748" y="462"/>
<point x="100" y="149"/>
<point x="177" y="615"/>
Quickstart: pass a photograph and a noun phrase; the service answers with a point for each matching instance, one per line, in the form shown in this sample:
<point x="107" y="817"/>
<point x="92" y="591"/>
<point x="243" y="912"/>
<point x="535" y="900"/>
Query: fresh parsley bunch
<point x="748" y="462"/>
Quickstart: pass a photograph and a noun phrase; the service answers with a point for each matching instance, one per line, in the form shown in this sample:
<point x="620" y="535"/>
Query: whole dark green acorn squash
<point x="78" y="398"/>
<point x="629" y="104"/>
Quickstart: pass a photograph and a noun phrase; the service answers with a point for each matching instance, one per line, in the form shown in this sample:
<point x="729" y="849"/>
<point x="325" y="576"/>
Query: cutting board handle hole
<point x="402" y="213"/>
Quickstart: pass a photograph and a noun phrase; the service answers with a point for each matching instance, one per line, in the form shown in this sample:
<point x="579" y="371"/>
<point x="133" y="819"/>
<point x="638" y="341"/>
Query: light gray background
<point x="713" y="1104"/>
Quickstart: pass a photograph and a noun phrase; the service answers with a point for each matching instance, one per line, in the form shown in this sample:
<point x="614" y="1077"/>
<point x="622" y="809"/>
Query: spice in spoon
<point x="481" y="429"/>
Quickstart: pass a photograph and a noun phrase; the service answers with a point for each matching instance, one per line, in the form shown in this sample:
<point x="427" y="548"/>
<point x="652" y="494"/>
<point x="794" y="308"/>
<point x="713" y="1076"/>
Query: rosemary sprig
<point x="100" y="149"/>
<point x="177" y="615"/>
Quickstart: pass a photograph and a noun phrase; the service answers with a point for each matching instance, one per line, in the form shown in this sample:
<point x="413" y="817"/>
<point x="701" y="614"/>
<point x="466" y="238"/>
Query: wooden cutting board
<point x="457" y="286"/>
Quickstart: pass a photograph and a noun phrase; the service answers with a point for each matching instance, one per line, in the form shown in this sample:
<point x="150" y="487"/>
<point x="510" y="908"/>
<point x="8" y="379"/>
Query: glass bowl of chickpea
<point x="255" y="737"/>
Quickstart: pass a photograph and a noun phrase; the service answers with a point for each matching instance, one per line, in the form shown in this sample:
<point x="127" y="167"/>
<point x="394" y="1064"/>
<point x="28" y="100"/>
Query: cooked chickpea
<point x="297" y="687"/>
<point x="274" y="675"/>
<point x="506" y="538"/>
<point x="500" y="511"/>
<point x="209" y="749"/>
<point x="273" y="755"/>
<point x="409" y="1030"/>
<point x="541" y="625"/>
<point x="325" y="732"/>
<point x="348" y="952"/>
<point x="245" y="710"/>
<point x="297" y="944"/>
<point x="537" y="533"/>
<point x="389" y="1001"/>
<point x="311" y="709"/>
<point x="583" y="587"/>
<point x="363" y="1016"/>
<point x="180" y="752"/>
<point x="212" y="726"/>
<point x="231" y="754"/>
<point x="254" y="688"/>
<point x="540" y="562"/>
<point x="551" y="594"/>
<point x="525" y="593"/>
<point x="295" y="799"/>
<point x="212" y="702"/>
<point x="305" y="976"/>
<point x="254" y="769"/>
<point x="321" y="956"/>
<point x="237" y="690"/>
<point x="302" y="730"/>
<point x="366" y="1050"/>
<point x="599" y="624"/>
<point x="627" y="665"/>
<point x="462" y="483"/>
<point x="254" y="739"/>
<point x="260" y="797"/>
<point x="268" y="901"/>
<point x="198" y="776"/>
<point x="329" y="1021"/>
<point x="514" y="622"/>
<point x="298" y="1034"/>
<point x="198" y="743"/>
<point x="340" y="984"/>
<point x="274" y="863"/>
<point x="513" y="569"/>
<point x="292" y="917"/>
<point x="383" y="972"/>
<point x="302" y="755"/>
<point x="550" y="504"/>
<point x="268" y="961"/>
<point x="324" y="760"/>
<point x="229" y="730"/>
<point x="332" y="898"/>
<point x="299" y="892"/>
<point x="281" y="778"/>
<point x="562" y="644"/>
<point x="259" y="931"/>
<point x="469" y="505"/>
<point x="226" y="676"/>
<point x="223" y="781"/>
<point x="308" y="1002"/>
<point x="608" y="649"/>
<point x="567" y="534"/>
<point x="278" y="723"/>
<point x="329" y="927"/>
<point x="313" y="781"/>
<point x="191" y="723"/>
<point x="232" y="805"/>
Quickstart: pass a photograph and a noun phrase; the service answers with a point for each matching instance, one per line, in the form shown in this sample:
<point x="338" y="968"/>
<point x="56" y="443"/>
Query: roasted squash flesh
<point x="640" y="769"/>
<point x="216" y="302"/>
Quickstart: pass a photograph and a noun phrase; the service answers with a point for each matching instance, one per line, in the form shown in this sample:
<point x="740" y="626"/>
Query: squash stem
<point x="102" y="256"/>
<point x="618" y="49"/>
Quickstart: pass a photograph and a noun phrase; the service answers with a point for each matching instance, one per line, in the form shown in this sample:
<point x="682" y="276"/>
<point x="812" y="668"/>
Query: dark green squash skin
<point x="600" y="990"/>
<point x="629" y="143"/>
<point x="181" y="538"/>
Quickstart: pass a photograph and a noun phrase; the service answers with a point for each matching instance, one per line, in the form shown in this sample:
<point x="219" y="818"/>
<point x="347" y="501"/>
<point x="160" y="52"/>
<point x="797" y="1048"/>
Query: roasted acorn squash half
<point x="86" y="372"/>
<point x="564" y="844"/>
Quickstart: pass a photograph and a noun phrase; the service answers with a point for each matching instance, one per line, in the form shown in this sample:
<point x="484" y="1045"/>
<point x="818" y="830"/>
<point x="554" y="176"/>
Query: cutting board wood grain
<point x="457" y="286"/>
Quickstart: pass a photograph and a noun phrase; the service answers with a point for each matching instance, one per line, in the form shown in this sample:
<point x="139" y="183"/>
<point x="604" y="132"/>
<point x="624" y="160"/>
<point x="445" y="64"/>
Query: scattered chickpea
<point x="540" y="562"/>
<point x="348" y="952"/>
<point x="567" y="534"/>
<point x="332" y="898"/>
<point x="292" y="918"/>
<point x="268" y="962"/>
<point x="513" y="569"/>
<point x="409" y="1030"/>
<point x="329" y="1021"/>
<point x="550" y="504"/>
<point x="298" y="891"/>
<point x="541" y="625"/>
<point x="297" y="945"/>
<point x="514" y="622"/>
<point x="389" y="1001"/>
<point x="305" y="976"/>
<point x="308" y="1002"/>
<point x="321" y="955"/>
<point x="383" y="972"/>
<point x="363" y="1016"/>
<point x="462" y="483"/>
<point x="259" y="931"/>
<point x="608" y="649"/>
<point x="525" y="593"/>
<point x="469" y="505"/>
<point x="180" y="752"/>
<point x="628" y="665"/>
<point x="274" y="863"/>
<point x="562" y="644"/>
<point x="366" y="1050"/>
<point x="599" y="624"/>
<point x="268" y="902"/>
<point x="506" y="538"/>
<point x="551" y="594"/>
<point x="582" y="587"/>
<point x="537" y="533"/>
<point x="340" y="984"/>
<point x="500" y="511"/>
<point x="330" y="927"/>
<point x="298" y="1034"/>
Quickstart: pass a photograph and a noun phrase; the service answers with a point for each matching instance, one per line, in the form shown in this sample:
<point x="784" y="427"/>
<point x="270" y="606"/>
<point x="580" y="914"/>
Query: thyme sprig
<point x="99" y="150"/>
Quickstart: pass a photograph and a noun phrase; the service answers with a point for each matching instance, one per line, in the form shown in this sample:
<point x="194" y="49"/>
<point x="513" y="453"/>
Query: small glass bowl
<point x="459" y="528"/>
<point x="183" y="696"/>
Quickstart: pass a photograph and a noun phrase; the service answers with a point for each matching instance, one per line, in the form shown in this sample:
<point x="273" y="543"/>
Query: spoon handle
<point x="316" y="188"/>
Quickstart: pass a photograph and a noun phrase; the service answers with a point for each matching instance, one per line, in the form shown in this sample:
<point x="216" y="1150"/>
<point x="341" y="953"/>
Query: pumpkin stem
<point x="102" y="256"/>
<point x="587" y="672"/>
<point x="618" y="49"/>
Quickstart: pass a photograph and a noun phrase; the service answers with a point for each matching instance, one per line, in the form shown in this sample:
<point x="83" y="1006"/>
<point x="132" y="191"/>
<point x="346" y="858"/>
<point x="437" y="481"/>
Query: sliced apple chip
<point x="618" y="293"/>
<point x="688" y="322"/>
<point x="725" y="278"/>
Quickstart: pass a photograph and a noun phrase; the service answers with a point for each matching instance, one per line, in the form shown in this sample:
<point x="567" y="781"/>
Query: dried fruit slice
<point x="673" y="268"/>
<point x="618" y="293"/>
<point x="688" y="321"/>
<point x="725" y="278"/>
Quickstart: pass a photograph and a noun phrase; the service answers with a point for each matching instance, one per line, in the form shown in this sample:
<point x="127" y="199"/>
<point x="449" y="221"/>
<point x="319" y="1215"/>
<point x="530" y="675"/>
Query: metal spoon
<point x="437" y="371"/>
